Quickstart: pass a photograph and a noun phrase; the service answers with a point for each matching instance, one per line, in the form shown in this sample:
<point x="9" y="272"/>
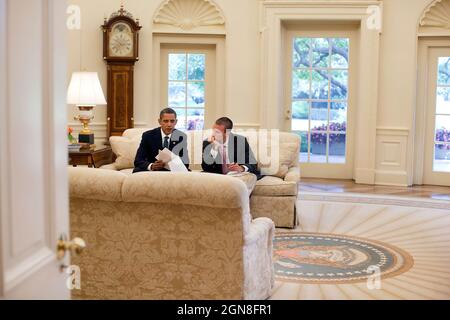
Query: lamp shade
<point x="85" y="90"/>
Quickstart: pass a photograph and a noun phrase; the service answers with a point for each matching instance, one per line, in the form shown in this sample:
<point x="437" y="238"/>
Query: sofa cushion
<point x="208" y="190"/>
<point x="128" y="171"/>
<point x="274" y="186"/>
<point x="125" y="149"/>
<point x="87" y="183"/>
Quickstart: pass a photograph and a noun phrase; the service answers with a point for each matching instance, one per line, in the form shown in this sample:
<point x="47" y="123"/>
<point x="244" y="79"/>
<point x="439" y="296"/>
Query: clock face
<point x="121" y="41"/>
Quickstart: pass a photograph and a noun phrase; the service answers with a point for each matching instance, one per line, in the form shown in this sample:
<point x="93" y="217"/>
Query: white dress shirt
<point x="163" y="135"/>
<point x="215" y="151"/>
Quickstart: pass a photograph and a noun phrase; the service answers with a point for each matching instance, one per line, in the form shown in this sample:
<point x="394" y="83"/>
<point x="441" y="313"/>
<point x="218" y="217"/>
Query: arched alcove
<point x="189" y="16"/>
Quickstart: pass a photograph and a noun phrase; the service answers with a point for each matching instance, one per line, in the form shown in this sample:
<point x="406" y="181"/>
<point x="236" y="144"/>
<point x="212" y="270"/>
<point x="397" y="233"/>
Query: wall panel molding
<point x="391" y="160"/>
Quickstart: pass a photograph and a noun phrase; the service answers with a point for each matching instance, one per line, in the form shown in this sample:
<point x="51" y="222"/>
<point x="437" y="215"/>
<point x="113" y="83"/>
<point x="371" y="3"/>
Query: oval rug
<point x="314" y="258"/>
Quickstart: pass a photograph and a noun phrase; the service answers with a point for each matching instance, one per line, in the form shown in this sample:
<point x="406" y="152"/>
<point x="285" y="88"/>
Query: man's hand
<point x="235" y="167"/>
<point x="158" y="166"/>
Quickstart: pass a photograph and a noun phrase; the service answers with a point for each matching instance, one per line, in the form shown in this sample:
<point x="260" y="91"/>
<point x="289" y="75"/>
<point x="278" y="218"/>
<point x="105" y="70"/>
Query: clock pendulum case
<point x="120" y="51"/>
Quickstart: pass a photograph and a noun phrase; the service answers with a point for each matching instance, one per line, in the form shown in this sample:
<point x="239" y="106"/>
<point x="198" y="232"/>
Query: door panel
<point x="437" y="132"/>
<point x="320" y="99"/>
<point x="33" y="148"/>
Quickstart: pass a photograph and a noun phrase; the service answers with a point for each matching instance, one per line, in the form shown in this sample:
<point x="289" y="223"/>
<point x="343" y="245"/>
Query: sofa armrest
<point x="111" y="166"/>
<point x="258" y="259"/>
<point x="259" y="228"/>
<point x="293" y="174"/>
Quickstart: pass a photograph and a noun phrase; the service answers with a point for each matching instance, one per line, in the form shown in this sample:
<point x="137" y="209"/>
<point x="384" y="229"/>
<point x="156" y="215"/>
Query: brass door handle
<point x="76" y="246"/>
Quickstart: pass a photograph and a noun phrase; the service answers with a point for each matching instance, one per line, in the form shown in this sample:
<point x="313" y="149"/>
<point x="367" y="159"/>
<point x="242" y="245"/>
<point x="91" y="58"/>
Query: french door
<point x="437" y="132"/>
<point x="320" y="100"/>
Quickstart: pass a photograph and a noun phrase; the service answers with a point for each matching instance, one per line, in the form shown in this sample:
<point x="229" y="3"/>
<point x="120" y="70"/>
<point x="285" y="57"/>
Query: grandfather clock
<point x="120" y="51"/>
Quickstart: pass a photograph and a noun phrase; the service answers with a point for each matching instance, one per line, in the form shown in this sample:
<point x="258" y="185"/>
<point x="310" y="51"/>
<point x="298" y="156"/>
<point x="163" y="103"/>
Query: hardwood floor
<point x="348" y="186"/>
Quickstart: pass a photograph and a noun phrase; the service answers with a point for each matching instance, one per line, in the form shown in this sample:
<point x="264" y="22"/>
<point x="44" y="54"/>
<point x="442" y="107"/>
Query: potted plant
<point x="337" y="141"/>
<point x="442" y="151"/>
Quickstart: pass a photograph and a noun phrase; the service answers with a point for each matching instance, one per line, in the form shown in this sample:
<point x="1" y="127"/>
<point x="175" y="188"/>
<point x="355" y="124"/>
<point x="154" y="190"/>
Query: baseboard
<point x="365" y="176"/>
<point x="391" y="178"/>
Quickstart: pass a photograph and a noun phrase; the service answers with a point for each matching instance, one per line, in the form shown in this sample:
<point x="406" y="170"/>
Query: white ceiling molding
<point x="189" y="16"/>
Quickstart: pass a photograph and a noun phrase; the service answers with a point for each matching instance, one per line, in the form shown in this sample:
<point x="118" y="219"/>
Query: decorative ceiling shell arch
<point x="436" y="18"/>
<point x="189" y="16"/>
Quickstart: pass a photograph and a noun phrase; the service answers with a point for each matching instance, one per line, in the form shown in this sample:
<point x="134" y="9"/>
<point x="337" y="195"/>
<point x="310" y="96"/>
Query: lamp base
<point x="86" y="138"/>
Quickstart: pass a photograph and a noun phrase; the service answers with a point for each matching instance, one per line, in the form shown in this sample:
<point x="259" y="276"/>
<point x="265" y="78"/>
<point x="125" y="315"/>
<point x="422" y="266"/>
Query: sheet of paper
<point x="236" y="174"/>
<point x="165" y="155"/>
<point x="176" y="165"/>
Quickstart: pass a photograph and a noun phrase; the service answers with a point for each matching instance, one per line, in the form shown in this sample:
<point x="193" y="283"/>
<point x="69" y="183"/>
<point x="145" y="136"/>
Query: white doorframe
<point x="221" y="87"/>
<point x="209" y="51"/>
<point x="3" y="140"/>
<point x="425" y="44"/>
<point x="327" y="170"/>
<point x="273" y="15"/>
<point x="33" y="170"/>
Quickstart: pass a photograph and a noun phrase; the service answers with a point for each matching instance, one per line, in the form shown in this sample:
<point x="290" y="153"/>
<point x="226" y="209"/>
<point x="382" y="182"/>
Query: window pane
<point x="196" y="94"/>
<point x="441" y="158"/>
<point x="301" y="53"/>
<point x="443" y="100"/>
<point x="319" y="116"/>
<point x="181" y="116"/>
<point x="177" y="66"/>
<point x="177" y="94"/>
<point x="320" y="84"/>
<point x="303" y="145"/>
<point x="320" y="94"/>
<point x="196" y="67"/>
<point x="300" y="116"/>
<point x="338" y="116"/>
<point x="444" y="71"/>
<point x="442" y="129"/>
<point x="339" y="53"/>
<point x="195" y="119"/>
<point x="337" y="148"/>
<point x="321" y="53"/>
<point x="339" y="84"/>
<point x="300" y="84"/>
<point x="318" y="147"/>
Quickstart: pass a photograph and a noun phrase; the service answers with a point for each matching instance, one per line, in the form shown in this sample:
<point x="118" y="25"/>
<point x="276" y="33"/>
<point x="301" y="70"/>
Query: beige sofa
<point x="148" y="236"/>
<point x="274" y="196"/>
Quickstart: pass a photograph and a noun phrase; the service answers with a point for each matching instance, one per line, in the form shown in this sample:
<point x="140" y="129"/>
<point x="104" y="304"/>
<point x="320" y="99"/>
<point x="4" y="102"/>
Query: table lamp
<point x="85" y="92"/>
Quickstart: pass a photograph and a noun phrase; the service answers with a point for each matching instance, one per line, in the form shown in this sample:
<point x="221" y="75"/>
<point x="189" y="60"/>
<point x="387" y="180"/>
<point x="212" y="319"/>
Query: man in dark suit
<point x="157" y="139"/>
<point x="226" y="152"/>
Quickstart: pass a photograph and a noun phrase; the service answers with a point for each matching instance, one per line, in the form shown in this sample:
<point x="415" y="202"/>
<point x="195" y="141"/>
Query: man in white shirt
<point x="166" y="136"/>
<point x="225" y="152"/>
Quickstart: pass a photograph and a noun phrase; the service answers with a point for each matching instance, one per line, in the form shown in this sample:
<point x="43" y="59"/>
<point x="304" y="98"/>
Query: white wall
<point x="242" y="54"/>
<point x="397" y="85"/>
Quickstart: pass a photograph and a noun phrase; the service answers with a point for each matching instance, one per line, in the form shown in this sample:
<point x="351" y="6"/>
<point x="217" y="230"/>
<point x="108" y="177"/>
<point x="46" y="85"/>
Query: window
<point x="441" y="161"/>
<point x="320" y="97"/>
<point x="186" y="89"/>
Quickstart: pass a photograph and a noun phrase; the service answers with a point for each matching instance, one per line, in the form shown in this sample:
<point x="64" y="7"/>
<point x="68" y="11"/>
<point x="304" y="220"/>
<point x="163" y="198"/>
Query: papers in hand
<point x="236" y="174"/>
<point x="165" y="155"/>
<point x="172" y="161"/>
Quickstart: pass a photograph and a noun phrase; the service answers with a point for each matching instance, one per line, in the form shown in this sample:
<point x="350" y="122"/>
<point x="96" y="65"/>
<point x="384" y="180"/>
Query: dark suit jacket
<point x="151" y="143"/>
<point x="239" y="152"/>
